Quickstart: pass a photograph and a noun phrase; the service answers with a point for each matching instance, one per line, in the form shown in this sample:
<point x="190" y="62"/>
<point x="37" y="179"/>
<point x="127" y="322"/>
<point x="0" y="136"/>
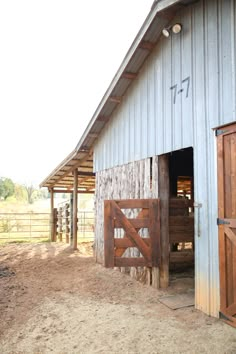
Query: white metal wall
<point x="154" y="119"/>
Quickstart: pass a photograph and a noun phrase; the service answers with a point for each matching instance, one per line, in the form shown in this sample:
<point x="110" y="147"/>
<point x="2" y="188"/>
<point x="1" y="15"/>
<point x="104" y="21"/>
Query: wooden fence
<point x="63" y="224"/>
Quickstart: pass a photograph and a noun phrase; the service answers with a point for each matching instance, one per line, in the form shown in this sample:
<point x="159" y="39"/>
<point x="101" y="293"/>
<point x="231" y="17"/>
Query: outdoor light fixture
<point x="166" y="32"/>
<point x="177" y="28"/>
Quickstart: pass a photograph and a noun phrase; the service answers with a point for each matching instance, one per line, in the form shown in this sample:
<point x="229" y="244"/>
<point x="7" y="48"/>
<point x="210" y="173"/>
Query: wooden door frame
<point x="223" y="223"/>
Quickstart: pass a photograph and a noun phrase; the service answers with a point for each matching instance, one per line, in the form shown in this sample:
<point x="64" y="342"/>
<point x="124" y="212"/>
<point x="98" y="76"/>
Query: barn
<point x="159" y="154"/>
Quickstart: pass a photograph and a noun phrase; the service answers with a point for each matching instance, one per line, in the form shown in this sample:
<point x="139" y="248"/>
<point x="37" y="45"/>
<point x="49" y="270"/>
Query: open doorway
<point x="181" y="218"/>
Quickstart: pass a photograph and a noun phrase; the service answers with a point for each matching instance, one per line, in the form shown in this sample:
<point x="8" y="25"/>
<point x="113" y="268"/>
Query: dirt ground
<point x="55" y="300"/>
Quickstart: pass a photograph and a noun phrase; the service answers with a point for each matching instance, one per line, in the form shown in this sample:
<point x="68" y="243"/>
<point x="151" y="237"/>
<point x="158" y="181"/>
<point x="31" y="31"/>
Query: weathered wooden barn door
<point x="226" y="141"/>
<point x="148" y="217"/>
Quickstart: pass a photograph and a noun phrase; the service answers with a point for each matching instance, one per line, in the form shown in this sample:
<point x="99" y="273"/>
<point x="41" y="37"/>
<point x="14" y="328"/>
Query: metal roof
<point x="81" y="157"/>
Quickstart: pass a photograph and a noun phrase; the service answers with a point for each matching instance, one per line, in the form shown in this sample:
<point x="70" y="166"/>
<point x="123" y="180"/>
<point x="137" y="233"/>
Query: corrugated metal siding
<point x="148" y="123"/>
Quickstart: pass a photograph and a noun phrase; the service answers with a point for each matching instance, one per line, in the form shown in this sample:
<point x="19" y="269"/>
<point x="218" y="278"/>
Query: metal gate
<point x="149" y="246"/>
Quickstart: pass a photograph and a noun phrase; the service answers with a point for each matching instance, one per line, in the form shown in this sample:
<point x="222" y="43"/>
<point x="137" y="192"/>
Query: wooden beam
<point x="108" y="236"/>
<point x="91" y="190"/>
<point x="52" y="219"/>
<point x="129" y="76"/>
<point x="115" y="99"/>
<point x="71" y="219"/>
<point x="131" y="233"/>
<point x="102" y="118"/>
<point x="71" y="191"/>
<point x="75" y="209"/>
<point x="85" y="179"/>
<point x="147" y="45"/>
<point x="80" y="162"/>
<point x="131" y="262"/>
<point x="164" y="195"/>
<point x="83" y="173"/>
<point x="93" y="135"/>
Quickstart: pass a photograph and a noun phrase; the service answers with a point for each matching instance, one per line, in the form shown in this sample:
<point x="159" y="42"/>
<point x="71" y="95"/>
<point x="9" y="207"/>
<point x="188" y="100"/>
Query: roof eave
<point x="158" y="8"/>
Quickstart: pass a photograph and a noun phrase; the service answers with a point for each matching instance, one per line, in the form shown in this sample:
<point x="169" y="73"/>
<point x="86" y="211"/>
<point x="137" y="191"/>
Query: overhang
<point x="62" y="178"/>
<point x="161" y="14"/>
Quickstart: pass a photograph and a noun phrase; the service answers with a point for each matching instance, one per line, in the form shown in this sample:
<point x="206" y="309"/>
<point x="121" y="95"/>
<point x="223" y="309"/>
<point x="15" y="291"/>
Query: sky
<point x="57" y="58"/>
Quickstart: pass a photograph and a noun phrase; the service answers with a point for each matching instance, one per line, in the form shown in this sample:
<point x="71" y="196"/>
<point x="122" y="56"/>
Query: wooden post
<point x="108" y="235"/>
<point x="71" y="219"/>
<point x="164" y="195"/>
<point x="60" y="219"/>
<point x="155" y="235"/>
<point x="55" y="223"/>
<point x="75" y="209"/>
<point x="52" y="218"/>
<point x="67" y="228"/>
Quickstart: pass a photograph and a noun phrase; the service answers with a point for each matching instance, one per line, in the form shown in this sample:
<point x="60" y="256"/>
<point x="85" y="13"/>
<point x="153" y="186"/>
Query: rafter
<point x="129" y="76"/>
<point x="115" y="99"/>
<point x="147" y="45"/>
<point x="80" y="162"/>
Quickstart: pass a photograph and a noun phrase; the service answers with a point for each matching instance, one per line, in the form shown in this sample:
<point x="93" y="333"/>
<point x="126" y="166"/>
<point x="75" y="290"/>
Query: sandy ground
<point x="54" y="300"/>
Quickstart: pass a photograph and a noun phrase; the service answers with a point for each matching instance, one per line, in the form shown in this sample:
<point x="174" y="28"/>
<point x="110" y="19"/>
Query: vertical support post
<point x="55" y="220"/>
<point x="164" y="195"/>
<point x="52" y="219"/>
<point x="75" y="209"/>
<point x="67" y="222"/>
<point x="154" y="231"/>
<point x="71" y="219"/>
<point x="108" y="235"/>
<point x="60" y="217"/>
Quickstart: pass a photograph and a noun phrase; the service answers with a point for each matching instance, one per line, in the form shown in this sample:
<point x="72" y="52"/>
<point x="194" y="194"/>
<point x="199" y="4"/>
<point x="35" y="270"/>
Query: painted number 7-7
<point x="184" y="86"/>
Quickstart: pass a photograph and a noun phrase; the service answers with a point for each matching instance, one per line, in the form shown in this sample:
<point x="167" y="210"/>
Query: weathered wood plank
<point x="164" y="195"/>
<point x="55" y="221"/>
<point x="126" y="242"/>
<point x="75" y="209"/>
<point x="181" y="257"/>
<point x="181" y="220"/>
<point x="132" y="203"/>
<point x="228" y="191"/>
<point x="231" y="310"/>
<point x="137" y="223"/>
<point x="119" y="252"/>
<point x="108" y="236"/>
<point x="129" y="181"/>
<point x="233" y="209"/>
<point x="60" y="221"/>
<point x="154" y="231"/>
<point x="52" y="221"/>
<point x="178" y="203"/>
<point x="231" y="235"/>
<point x="131" y="262"/>
<point x="176" y="237"/>
<point x="222" y="256"/>
<point x="67" y="222"/>
<point x="181" y="228"/>
<point x="131" y="232"/>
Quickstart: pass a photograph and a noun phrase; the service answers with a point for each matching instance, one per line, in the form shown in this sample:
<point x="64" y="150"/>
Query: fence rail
<point x="15" y="226"/>
<point x="24" y="225"/>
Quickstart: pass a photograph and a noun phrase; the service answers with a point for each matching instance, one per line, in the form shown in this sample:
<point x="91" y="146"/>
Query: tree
<point x="20" y="193"/>
<point x="30" y="193"/>
<point x="43" y="193"/>
<point x="7" y="187"/>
